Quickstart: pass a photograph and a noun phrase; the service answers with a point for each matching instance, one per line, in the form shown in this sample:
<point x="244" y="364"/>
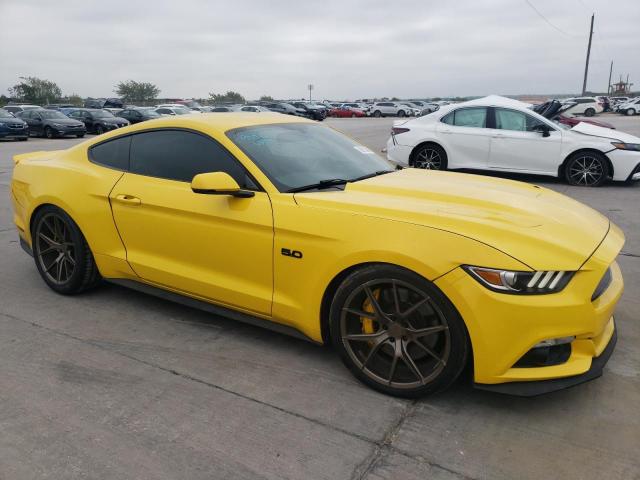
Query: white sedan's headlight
<point x="525" y="283"/>
<point x="627" y="146"/>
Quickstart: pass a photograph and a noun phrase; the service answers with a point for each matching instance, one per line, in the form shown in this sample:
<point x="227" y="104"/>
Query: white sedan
<point x="501" y="134"/>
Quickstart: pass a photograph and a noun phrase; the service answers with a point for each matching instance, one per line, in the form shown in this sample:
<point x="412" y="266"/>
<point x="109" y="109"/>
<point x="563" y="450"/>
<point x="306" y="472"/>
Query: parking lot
<point x="114" y="384"/>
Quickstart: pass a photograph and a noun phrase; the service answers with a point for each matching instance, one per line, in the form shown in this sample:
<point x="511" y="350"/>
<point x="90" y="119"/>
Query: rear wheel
<point x="61" y="253"/>
<point x="589" y="112"/>
<point x="587" y="169"/>
<point x="630" y="112"/>
<point x="397" y="332"/>
<point x="429" y="157"/>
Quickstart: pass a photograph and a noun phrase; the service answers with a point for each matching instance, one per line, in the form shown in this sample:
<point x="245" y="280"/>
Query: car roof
<point x="218" y="123"/>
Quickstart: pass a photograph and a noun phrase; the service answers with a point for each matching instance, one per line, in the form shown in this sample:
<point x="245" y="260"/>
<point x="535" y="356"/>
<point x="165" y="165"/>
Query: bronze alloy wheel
<point x="397" y="332"/>
<point x="55" y="249"/>
<point x="61" y="253"/>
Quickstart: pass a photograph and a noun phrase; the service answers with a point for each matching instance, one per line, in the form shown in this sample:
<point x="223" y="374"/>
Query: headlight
<point x="57" y="125"/>
<point x="524" y="283"/>
<point x="627" y="146"/>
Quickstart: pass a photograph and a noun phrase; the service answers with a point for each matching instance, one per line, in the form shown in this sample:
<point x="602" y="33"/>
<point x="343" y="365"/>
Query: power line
<point x="547" y="20"/>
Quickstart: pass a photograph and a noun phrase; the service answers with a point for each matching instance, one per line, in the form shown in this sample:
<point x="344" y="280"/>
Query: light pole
<point x="310" y="87"/>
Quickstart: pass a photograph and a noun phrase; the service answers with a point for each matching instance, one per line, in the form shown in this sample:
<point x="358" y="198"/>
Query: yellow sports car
<point x="411" y="275"/>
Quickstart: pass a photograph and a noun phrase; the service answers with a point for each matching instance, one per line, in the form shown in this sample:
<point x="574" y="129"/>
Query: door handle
<point x="128" y="199"/>
<point x="445" y="131"/>
<point x="497" y="135"/>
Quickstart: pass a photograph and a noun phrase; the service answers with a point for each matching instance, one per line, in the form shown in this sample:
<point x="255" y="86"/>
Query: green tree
<point x="35" y="90"/>
<point x="75" y="99"/>
<point x="229" y="97"/>
<point x="266" y="98"/>
<point x="132" y="91"/>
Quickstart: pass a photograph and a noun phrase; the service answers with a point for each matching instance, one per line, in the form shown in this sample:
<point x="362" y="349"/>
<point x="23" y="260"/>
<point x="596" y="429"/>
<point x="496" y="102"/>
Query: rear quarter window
<point x="113" y="154"/>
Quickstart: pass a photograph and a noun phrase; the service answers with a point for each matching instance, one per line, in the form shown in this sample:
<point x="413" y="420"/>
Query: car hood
<point x="539" y="227"/>
<point x="113" y="120"/>
<point x="64" y="121"/>
<point x="596" y="131"/>
<point x="12" y="120"/>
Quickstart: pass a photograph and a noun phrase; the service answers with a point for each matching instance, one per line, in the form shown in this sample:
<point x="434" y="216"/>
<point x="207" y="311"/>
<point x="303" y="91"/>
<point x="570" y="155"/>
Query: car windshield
<point x="103" y="114"/>
<point x="5" y="114"/>
<point x="52" y="114"/>
<point x="295" y="155"/>
<point x="149" y="112"/>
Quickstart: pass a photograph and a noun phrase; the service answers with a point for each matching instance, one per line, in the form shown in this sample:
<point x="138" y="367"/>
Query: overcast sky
<point x="347" y="48"/>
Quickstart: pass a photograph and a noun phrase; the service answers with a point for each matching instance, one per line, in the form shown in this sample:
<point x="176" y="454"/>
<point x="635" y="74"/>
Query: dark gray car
<point x="52" y="124"/>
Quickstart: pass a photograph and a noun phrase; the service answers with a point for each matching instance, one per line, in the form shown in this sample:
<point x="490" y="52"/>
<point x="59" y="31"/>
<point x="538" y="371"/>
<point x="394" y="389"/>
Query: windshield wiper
<point x="333" y="182"/>
<point x="328" y="183"/>
<point x="371" y="175"/>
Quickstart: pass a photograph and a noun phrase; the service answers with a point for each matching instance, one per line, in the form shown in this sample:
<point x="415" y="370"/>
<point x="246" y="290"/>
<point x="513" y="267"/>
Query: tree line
<point x="42" y="92"/>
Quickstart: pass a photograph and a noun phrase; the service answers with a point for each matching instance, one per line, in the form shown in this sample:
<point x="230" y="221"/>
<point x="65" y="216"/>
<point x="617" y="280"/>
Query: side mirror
<point x="543" y="129"/>
<point x="218" y="183"/>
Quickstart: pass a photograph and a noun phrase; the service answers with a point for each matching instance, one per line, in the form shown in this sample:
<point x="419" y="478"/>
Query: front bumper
<point x="62" y="131"/>
<point x="540" y="387"/>
<point x="625" y="164"/>
<point x="503" y="328"/>
<point x="14" y="132"/>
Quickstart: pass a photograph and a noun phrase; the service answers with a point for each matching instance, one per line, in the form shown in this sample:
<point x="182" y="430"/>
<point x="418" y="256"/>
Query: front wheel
<point x="48" y="132"/>
<point x="61" y="253"/>
<point x="589" y="169"/>
<point x="630" y="112"/>
<point x="377" y="114"/>
<point x="99" y="130"/>
<point x="397" y="333"/>
<point x="590" y="112"/>
<point x="401" y="113"/>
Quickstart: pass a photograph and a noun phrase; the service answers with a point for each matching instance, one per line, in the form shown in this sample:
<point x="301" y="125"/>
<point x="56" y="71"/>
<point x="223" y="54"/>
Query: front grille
<point x="603" y="285"/>
<point x="17" y="125"/>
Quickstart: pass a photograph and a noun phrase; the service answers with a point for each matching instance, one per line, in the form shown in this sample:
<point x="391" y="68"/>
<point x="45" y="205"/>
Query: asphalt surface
<point x="114" y="384"/>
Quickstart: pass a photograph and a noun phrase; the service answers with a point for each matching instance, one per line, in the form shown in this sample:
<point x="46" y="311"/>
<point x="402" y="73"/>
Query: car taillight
<point x="398" y="130"/>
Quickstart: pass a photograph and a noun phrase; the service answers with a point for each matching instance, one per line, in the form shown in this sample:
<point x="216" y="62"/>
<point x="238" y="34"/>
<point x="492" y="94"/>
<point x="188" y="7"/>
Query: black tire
<point x="429" y="156"/>
<point x="586" y="169"/>
<point x="56" y="236"/>
<point x="23" y="139"/>
<point x="99" y="130"/>
<point x="421" y="347"/>
<point x="630" y="112"/>
<point x="80" y="135"/>
<point x="48" y="132"/>
<point x="401" y="113"/>
<point x="377" y="114"/>
<point x="589" y="112"/>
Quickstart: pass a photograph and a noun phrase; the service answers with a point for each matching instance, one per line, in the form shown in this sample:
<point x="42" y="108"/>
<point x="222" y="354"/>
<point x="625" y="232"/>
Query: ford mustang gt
<point x="411" y="275"/>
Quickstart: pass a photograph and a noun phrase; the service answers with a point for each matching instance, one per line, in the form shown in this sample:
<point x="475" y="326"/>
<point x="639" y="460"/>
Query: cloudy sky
<point x="347" y="48"/>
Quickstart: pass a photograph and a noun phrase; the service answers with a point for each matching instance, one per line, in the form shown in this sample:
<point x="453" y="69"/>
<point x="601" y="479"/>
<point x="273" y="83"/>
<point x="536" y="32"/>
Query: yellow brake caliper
<point x="368" y="323"/>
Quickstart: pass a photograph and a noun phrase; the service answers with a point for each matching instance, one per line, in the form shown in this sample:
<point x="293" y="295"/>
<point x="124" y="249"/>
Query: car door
<point x="36" y="123"/>
<point x="215" y="247"/>
<point x="518" y="144"/>
<point x="465" y="138"/>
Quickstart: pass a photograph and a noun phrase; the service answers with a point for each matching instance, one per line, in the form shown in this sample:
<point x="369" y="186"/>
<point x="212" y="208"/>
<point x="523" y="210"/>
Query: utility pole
<point x="310" y="87"/>
<point x="586" y="65"/>
<point x="609" y="84"/>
